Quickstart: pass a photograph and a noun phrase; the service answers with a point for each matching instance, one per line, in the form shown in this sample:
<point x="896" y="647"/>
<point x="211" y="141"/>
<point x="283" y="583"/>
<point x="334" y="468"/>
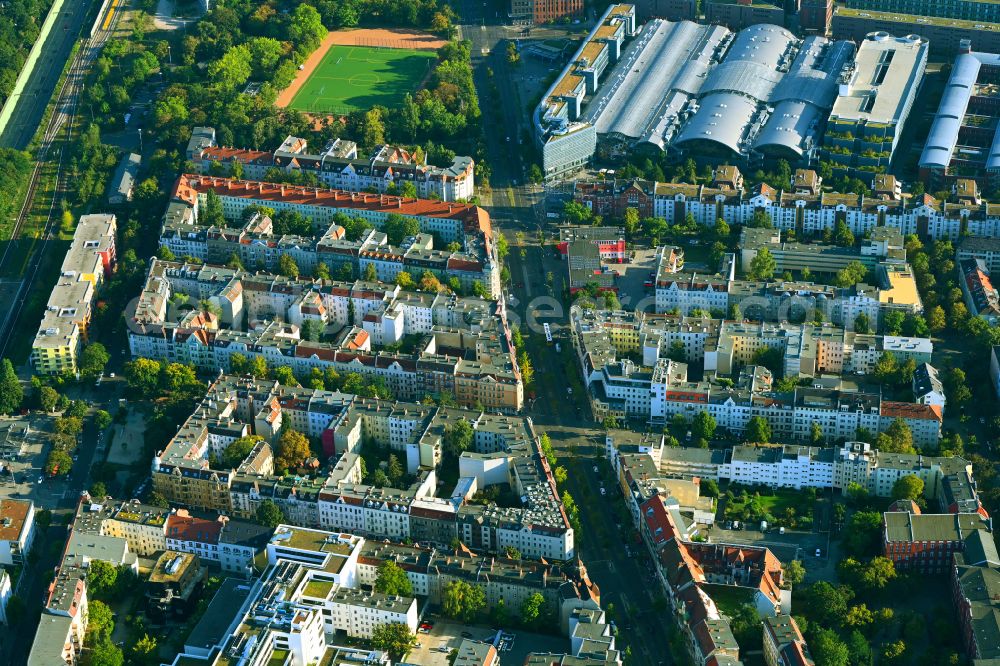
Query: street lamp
<point x="140" y="141"/>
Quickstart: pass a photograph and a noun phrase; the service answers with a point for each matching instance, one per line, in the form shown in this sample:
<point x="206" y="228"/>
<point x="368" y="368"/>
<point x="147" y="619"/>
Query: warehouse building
<point x="964" y="138"/>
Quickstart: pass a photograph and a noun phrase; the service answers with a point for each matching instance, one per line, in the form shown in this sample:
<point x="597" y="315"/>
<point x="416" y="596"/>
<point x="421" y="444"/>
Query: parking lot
<point x="446" y="636"/>
<point x="634" y="275"/>
<point x="792" y="545"/>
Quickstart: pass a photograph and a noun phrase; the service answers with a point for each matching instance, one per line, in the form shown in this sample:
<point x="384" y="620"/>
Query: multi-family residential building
<point x="981" y="297"/>
<point x="784" y="644"/>
<point x="460" y="346"/>
<point x="543" y="11"/>
<point x="927" y="386"/>
<point x="632" y="366"/>
<point x="985" y="249"/>
<point x="683" y="568"/>
<point x="88" y="262"/>
<point x="338" y="166"/>
<point x="882" y="244"/>
<point x="17" y="530"/>
<point x="505" y="450"/>
<point x="642" y="468"/>
<point x="810" y="212"/>
<point x="472" y="259"/>
<point x="975" y="583"/>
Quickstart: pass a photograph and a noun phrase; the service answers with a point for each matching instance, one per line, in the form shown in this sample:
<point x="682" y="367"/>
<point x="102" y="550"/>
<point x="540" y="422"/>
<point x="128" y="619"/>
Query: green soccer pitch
<point x="356" y="78"/>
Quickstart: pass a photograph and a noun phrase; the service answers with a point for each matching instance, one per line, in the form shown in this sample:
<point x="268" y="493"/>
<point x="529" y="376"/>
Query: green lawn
<point x="354" y="78"/>
<point x="729" y="597"/>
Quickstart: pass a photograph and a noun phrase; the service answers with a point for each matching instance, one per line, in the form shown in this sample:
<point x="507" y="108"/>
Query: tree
<point x="909" y="487"/>
<point x="11" y="393"/>
<point x="144" y="652"/>
<point x="405" y="280"/>
<point x="897" y="438"/>
<point x="795" y="573"/>
<point x="293" y="448"/>
<point x="101" y="579"/>
<point x="827" y="648"/>
<point x="709" y="488"/>
<point x="935" y="319"/>
<point x="269" y="514"/>
<point x="892" y="322"/>
<point x="391" y="579"/>
<point x="457" y="438"/>
<point x="102" y="419"/>
<point x="58" y="463"/>
<point x="828" y="603"/>
<point x="48" y="398"/>
<point x="545" y="443"/>
<point x="703" y="426"/>
<point x="284" y="375"/>
<point x="858" y="648"/>
<point x="763" y="265"/>
<point x="758" y="430"/>
<point x="462" y="601"/>
<point x="862" y="324"/>
<point x="873" y="575"/>
<point x="863" y="533"/>
<point x="957" y="387"/>
<point x="394" y="638"/>
<point x="562" y="475"/>
<point x="721" y="231"/>
<point x="93" y="360"/>
<point x="103" y="652"/>
<point x="842" y="235"/>
<point x="815" y="433"/>
<point x="631" y="221"/>
<point x="98" y="489"/>
<point x="143" y="375"/>
<point x="394" y="469"/>
<point x="761" y="220"/>
<point x="397" y="228"/>
<point x="533" y="610"/>
<point x="893" y="651"/>
<point x="157" y="499"/>
<point x="287" y="266"/>
<point x="237" y="451"/>
<point x="851" y="274"/>
<point x="370" y="274"/>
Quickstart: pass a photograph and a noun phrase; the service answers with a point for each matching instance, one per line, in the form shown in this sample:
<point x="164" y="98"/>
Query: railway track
<point x="63" y="114"/>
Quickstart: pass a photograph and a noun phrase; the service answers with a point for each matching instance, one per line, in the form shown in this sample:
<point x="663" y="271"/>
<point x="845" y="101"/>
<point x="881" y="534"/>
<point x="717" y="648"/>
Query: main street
<point x="625" y="580"/>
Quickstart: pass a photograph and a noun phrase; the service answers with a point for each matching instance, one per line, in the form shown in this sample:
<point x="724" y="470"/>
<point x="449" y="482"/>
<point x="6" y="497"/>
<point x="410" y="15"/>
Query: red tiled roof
<point x="188" y="528"/>
<point x="316" y="196"/>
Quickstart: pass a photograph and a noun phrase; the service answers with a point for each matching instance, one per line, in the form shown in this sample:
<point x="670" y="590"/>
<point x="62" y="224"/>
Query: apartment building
<point x="784" y="644"/>
<point x="970" y="10"/>
<point x="543" y="11"/>
<point x="17" y="530"/>
<point x="657" y="388"/>
<point x="63" y="329"/>
<point x="975" y="591"/>
<point x="338" y="166"/>
<point x="467" y="225"/>
<point x="505" y="450"/>
<point x="644" y="468"/>
<point x="461" y="346"/>
<point x="981" y="297"/>
<point x="810" y="214"/>
<point x="883" y="244"/>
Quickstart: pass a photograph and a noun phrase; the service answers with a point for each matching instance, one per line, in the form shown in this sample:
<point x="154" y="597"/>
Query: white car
<point x="595" y="469"/>
<point x="603" y="491"/>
